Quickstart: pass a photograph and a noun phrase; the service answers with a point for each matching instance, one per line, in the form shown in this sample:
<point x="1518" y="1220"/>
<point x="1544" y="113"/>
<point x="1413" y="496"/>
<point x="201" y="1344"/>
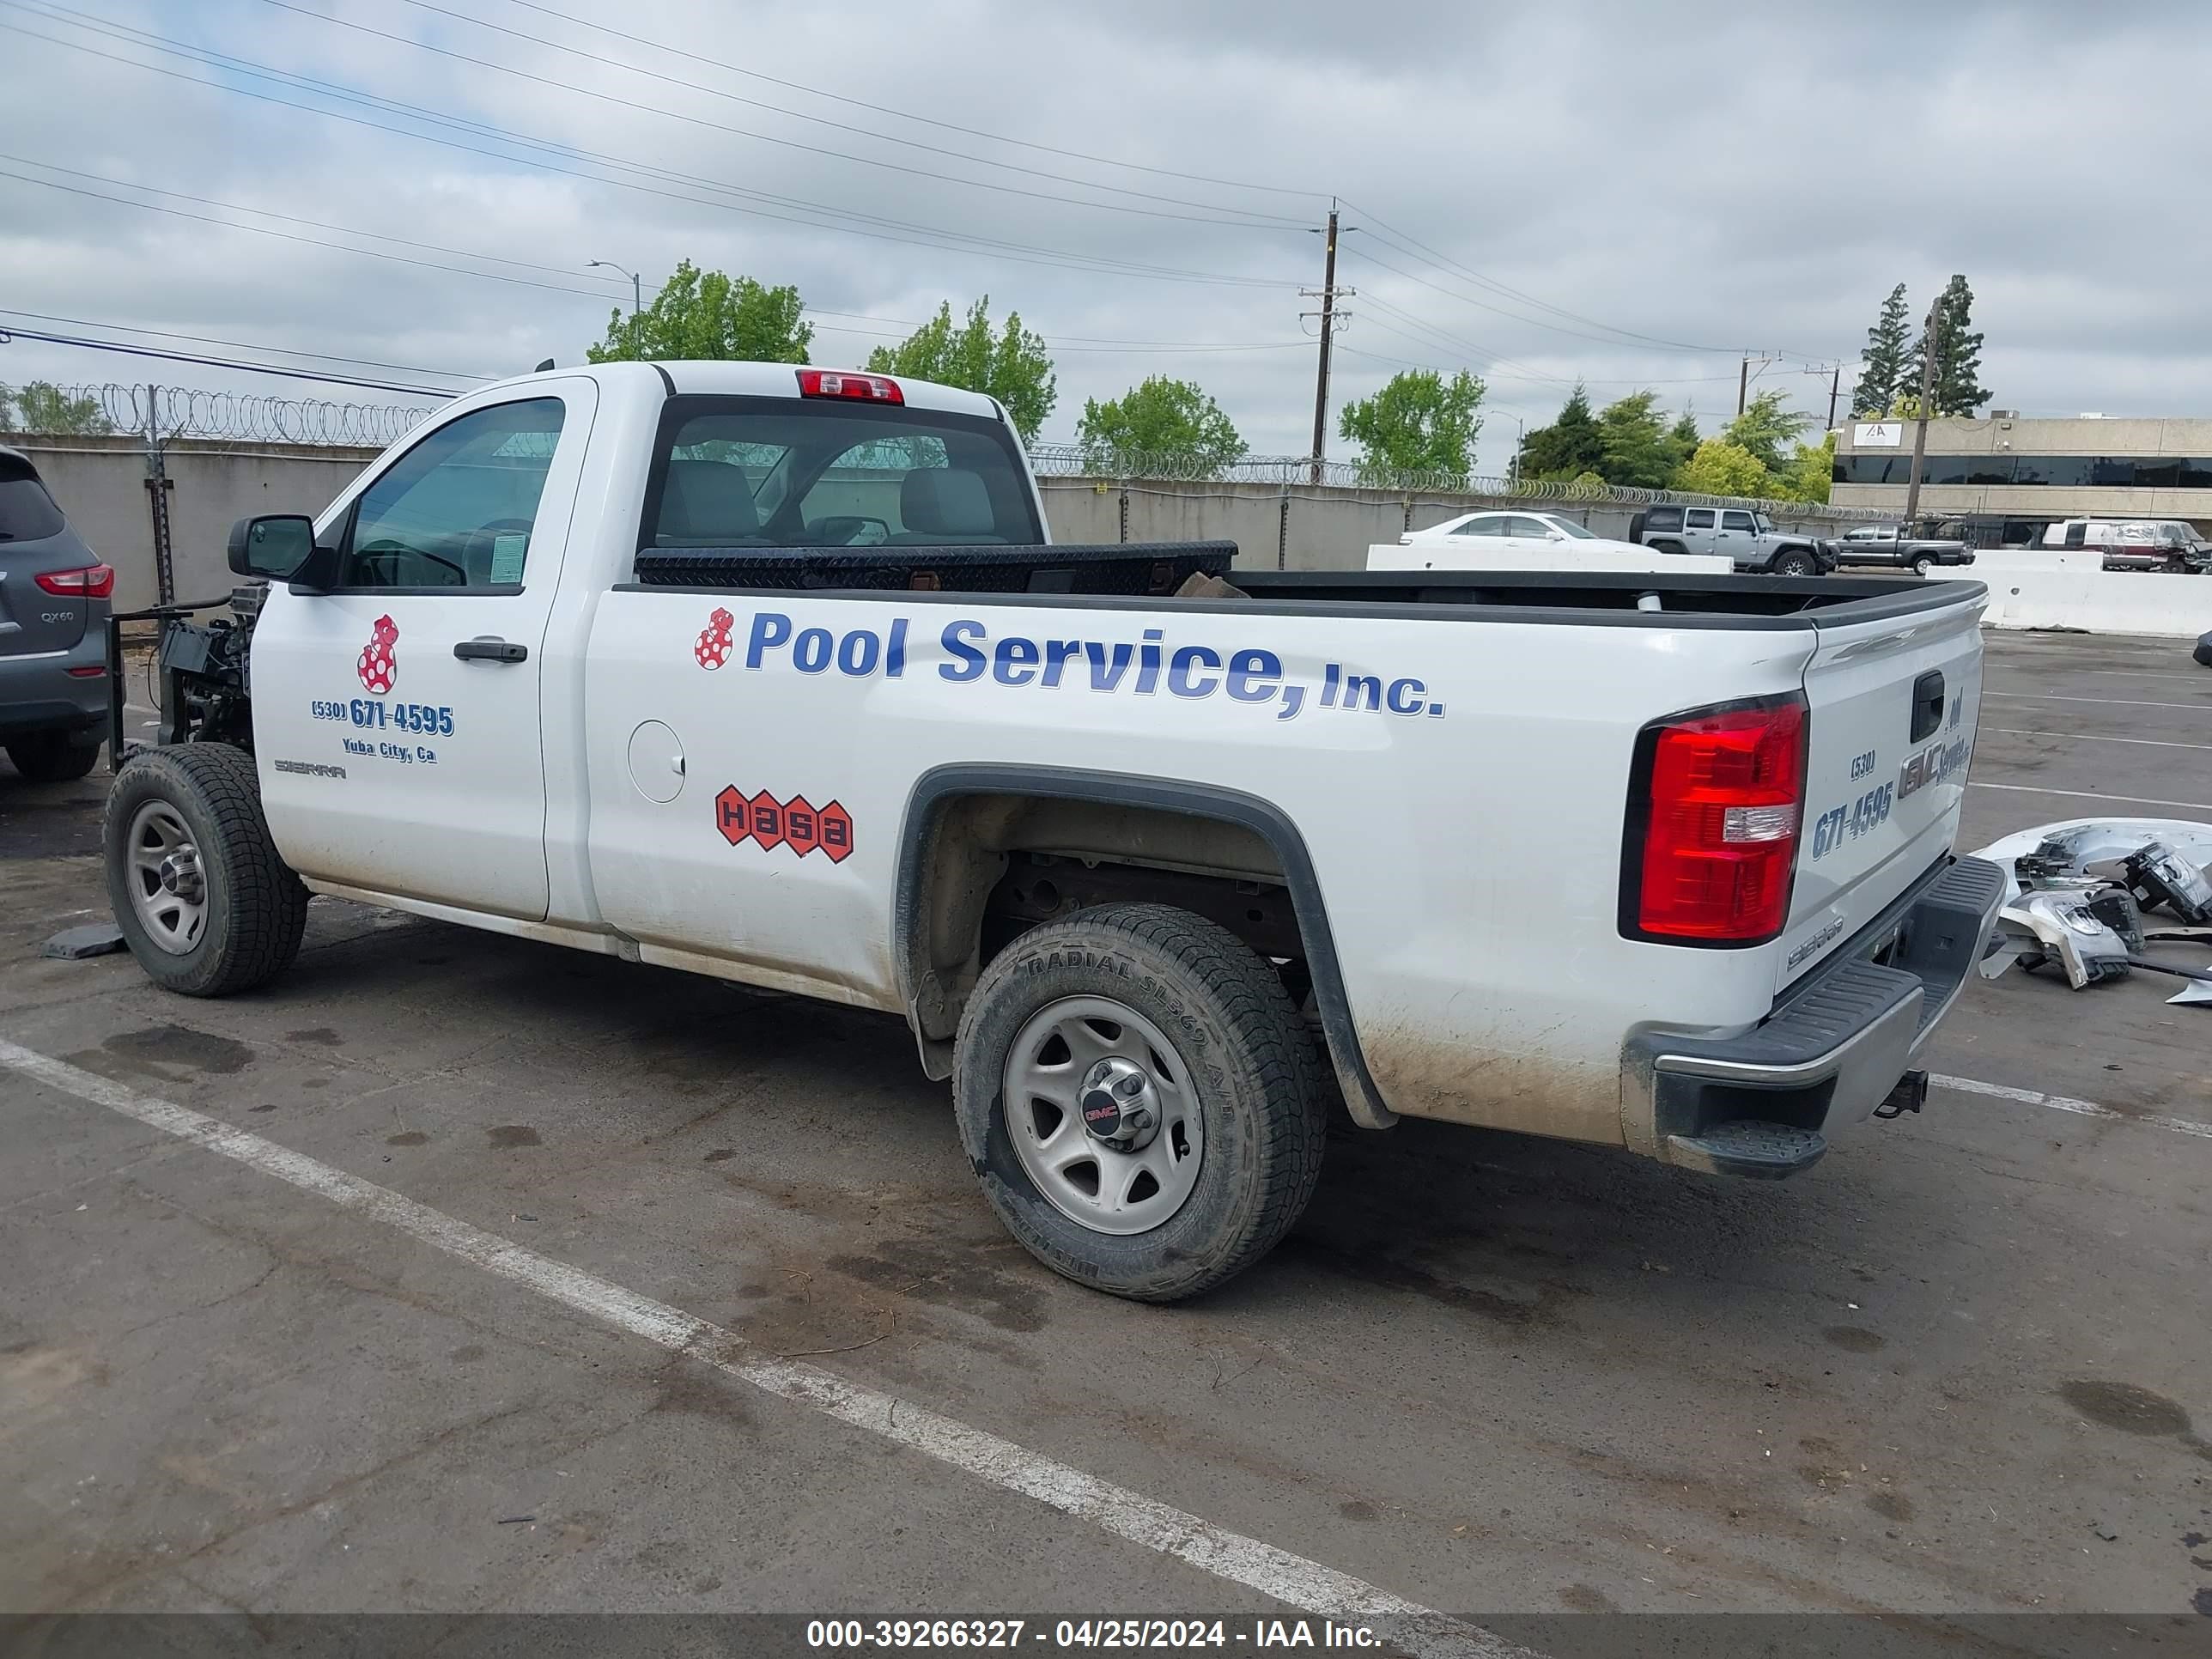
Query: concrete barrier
<point x="2051" y="587"/>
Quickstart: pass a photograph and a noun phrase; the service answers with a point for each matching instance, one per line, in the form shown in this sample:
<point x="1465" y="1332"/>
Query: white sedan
<point x="1508" y="532"/>
<point x="1524" y="541"/>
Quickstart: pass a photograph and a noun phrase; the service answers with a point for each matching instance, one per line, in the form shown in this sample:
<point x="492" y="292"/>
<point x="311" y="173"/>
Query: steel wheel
<point x="1102" y="1115"/>
<point x="169" y="888"/>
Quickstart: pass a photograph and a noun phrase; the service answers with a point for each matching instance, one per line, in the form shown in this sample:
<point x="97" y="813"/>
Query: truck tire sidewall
<point x="1794" y="561"/>
<point x="205" y="970"/>
<point x="1924" y="566"/>
<point x="1200" y="1244"/>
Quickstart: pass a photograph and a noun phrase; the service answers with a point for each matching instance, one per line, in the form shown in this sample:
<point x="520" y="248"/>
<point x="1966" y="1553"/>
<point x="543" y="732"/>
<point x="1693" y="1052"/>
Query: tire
<point x="1924" y="565"/>
<point x="194" y="809"/>
<point x="1794" y="563"/>
<point x="1676" y="548"/>
<point x="2203" y="652"/>
<point x="52" y="756"/>
<point x="1241" y="1086"/>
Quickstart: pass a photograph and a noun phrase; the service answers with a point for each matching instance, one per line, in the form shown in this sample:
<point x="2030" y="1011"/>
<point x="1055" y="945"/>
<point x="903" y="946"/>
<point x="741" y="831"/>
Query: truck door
<point x="1738" y="537"/>
<point x="1697" y="529"/>
<point x="396" y="716"/>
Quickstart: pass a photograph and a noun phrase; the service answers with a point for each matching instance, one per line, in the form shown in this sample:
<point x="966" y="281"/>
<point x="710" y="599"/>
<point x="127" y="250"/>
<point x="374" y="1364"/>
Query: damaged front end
<point x="2078" y="894"/>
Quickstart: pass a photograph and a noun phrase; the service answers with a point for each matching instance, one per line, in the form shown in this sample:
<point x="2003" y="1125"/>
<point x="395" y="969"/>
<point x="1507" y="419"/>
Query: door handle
<point x="490" y="650"/>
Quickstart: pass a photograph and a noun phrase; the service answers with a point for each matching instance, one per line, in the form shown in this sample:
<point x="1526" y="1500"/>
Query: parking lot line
<point x="2108" y="702"/>
<point x="2096" y="737"/>
<point x="2085" y="794"/>
<point x="1967" y="1086"/>
<point x="1292" y="1579"/>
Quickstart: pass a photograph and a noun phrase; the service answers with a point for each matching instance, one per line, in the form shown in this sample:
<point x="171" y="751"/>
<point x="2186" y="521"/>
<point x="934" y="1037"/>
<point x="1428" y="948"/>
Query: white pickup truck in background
<point x="769" y="673"/>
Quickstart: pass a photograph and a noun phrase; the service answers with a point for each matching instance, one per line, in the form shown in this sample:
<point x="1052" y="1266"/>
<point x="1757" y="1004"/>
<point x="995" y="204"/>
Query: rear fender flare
<point x="937" y="789"/>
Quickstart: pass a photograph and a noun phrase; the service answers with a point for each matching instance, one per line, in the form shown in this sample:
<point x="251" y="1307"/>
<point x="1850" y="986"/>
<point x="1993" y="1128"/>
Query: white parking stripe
<point x="1289" y="1578"/>
<point x="2108" y="702"/>
<point x="2093" y="737"/>
<point x="2110" y="673"/>
<point x="2086" y="794"/>
<point x="1967" y="1086"/>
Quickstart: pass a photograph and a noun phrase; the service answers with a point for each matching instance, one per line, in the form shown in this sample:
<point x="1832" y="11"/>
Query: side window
<point x="1663" y="518"/>
<point x="1491" y="524"/>
<point x="1530" y="529"/>
<point x="457" y="509"/>
<point x="1737" y="521"/>
<point x="1700" y="518"/>
<point x="2077" y="533"/>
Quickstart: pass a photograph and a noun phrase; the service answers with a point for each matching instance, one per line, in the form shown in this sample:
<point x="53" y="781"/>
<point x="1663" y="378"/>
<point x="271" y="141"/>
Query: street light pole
<point x="636" y="300"/>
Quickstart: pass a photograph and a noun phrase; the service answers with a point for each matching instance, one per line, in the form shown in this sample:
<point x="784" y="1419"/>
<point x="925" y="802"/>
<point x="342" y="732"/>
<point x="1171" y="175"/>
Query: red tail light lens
<point x="1717" y="799"/>
<point x="94" y="581"/>
<point x="843" y="383"/>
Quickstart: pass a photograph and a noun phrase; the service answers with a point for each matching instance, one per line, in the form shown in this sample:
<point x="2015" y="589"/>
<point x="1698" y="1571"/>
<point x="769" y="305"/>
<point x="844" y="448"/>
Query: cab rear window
<point x="786" y="472"/>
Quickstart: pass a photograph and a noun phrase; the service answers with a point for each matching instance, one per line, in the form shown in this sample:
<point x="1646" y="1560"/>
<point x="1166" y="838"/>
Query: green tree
<point x="1171" y="420"/>
<point x="709" y="315"/>
<point x="1686" y="434"/>
<point x="1011" y="365"/>
<point x="1418" y="422"/>
<point x="1721" y="468"/>
<point x="1810" y="471"/>
<point x="1635" y="444"/>
<point x="1571" y="445"/>
<point x="1884" y="365"/>
<point x="1959" y="355"/>
<point x="42" y="406"/>
<point x="1764" y="428"/>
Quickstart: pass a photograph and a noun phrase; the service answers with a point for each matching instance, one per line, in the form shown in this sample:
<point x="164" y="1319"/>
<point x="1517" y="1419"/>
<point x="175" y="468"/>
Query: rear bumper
<point x="40" y="694"/>
<point x="1763" y="1102"/>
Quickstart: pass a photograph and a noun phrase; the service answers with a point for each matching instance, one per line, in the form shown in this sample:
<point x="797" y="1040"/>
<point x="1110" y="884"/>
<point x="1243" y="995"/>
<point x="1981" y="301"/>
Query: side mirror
<point x="1555" y="535"/>
<point x="278" y="547"/>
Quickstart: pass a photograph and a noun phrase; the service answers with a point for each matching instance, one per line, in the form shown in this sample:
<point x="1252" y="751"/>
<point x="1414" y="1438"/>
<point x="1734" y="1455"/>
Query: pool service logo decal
<point x="715" y="643"/>
<point x="794" y="823"/>
<point x="378" y="667"/>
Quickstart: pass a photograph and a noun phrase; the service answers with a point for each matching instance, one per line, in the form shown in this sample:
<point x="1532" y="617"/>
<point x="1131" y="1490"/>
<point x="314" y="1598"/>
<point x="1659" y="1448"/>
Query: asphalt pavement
<point x="660" y="1262"/>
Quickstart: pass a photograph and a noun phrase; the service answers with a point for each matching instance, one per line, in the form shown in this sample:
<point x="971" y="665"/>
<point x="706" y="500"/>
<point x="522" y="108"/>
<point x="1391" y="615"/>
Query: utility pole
<point x="1742" y="382"/>
<point x="1929" y="346"/>
<point x="1327" y="295"/>
<point x="1835" y="388"/>
<point x="636" y="301"/>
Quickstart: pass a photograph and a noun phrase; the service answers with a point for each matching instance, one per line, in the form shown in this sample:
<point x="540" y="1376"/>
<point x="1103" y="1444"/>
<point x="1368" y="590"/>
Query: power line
<point x="800" y="115"/>
<point x="1251" y="222"/>
<point x="907" y="115"/>
<point x="240" y="346"/>
<point x="226" y="362"/>
<point x="927" y="236"/>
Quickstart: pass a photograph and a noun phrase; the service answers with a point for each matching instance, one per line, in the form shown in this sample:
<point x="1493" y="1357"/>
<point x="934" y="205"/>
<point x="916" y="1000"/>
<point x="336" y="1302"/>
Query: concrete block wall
<point x="100" y="484"/>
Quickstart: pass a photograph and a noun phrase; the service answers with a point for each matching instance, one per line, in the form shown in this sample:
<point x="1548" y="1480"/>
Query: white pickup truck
<point x="770" y="674"/>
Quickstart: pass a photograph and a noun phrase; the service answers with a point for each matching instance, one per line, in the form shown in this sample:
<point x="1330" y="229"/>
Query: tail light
<point x="842" y="383"/>
<point x="94" y="581"/>
<point x="1715" y="801"/>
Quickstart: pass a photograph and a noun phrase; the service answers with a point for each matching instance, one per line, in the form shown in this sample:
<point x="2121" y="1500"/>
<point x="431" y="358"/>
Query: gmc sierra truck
<point x="771" y="674"/>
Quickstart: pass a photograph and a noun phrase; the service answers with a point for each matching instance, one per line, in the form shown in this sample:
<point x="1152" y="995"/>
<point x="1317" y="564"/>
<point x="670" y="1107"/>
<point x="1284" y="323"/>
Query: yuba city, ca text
<point x="1157" y="665"/>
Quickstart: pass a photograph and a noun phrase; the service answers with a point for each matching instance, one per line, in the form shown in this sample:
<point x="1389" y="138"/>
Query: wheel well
<point x="986" y="858"/>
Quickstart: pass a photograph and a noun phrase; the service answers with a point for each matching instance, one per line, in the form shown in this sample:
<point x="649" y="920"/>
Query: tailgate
<point x="1891" y="709"/>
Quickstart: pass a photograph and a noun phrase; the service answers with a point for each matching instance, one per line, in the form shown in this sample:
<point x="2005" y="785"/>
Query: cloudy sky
<point x="1634" y="195"/>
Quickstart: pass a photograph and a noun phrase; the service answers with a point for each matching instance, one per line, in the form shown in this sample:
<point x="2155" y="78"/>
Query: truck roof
<point x="751" y="380"/>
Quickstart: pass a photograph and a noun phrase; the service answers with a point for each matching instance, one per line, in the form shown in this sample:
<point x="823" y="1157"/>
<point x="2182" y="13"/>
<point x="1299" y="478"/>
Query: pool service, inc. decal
<point x="794" y="823"/>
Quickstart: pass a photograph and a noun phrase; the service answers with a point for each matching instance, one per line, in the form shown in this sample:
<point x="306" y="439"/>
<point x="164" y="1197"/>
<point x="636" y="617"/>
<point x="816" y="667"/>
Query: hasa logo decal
<point x="715" y="645"/>
<point x="378" y="667"/>
<point x="794" y="823"/>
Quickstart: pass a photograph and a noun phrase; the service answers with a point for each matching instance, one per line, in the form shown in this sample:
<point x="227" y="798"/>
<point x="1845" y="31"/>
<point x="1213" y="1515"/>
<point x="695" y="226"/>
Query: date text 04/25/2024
<point x="1088" y="1634"/>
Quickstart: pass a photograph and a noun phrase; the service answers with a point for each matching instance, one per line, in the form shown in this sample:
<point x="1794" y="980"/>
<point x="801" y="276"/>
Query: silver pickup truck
<point x="1897" y="544"/>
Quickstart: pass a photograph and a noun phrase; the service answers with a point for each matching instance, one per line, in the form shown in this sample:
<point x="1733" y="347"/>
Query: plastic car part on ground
<point x="2076" y="893"/>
